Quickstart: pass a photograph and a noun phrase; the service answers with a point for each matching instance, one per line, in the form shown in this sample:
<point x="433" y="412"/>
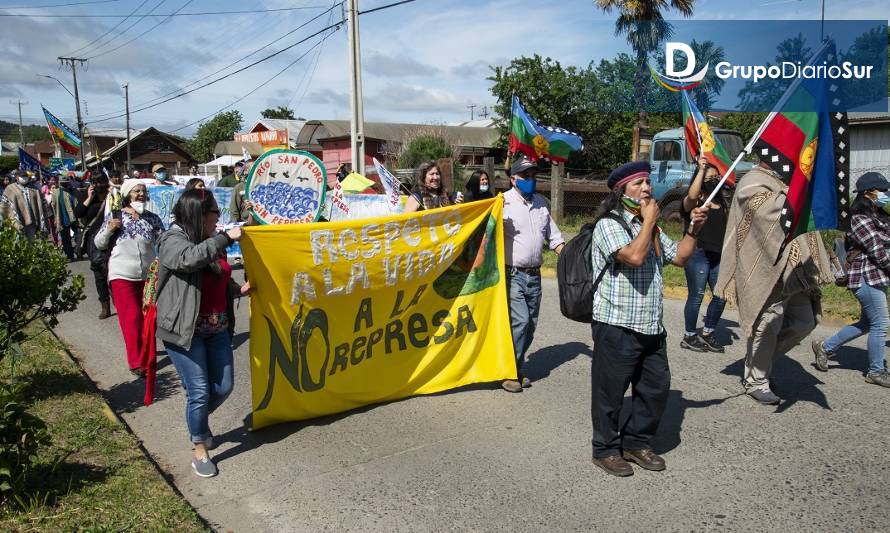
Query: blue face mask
<point x="526" y="187"/>
<point x="882" y="199"/>
<point x="161" y="175"/>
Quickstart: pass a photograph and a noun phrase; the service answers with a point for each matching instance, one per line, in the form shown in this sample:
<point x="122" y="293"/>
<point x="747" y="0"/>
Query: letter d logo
<point x="669" y="49"/>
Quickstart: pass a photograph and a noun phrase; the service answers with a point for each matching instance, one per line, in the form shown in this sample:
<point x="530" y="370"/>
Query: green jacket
<point x="238" y="212"/>
<point x="227" y="181"/>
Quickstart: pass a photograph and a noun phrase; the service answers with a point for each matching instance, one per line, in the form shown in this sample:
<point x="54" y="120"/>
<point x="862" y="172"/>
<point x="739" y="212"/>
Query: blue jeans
<point x="701" y="269"/>
<point x="524" y="291"/>
<point x="207" y="372"/>
<point x="872" y="320"/>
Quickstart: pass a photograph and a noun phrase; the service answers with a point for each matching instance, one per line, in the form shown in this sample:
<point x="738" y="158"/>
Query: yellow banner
<point x="347" y="314"/>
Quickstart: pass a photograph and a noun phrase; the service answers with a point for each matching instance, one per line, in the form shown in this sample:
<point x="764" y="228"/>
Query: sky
<point x="422" y="62"/>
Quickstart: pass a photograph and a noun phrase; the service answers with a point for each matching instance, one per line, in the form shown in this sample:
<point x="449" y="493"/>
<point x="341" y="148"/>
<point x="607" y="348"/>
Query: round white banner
<point x="286" y="187"/>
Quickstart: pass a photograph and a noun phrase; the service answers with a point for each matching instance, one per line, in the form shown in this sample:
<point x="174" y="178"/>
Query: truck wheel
<point x="670" y="212"/>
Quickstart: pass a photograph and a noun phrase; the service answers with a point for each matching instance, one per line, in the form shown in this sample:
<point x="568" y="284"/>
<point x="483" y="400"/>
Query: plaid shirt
<point x="872" y="236"/>
<point x="628" y="297"/>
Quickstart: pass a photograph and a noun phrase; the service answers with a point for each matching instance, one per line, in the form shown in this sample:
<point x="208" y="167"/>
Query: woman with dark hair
<point x="192" y="320"/>
<point x="195" y="183"/>
<point x="868" y="242"/>
<point x="478" y="187"/>
<point x="429" y="191"/>
<point x="91" y="212"/>
<point x="703" y="267"/>
<point x="130" y="236"/>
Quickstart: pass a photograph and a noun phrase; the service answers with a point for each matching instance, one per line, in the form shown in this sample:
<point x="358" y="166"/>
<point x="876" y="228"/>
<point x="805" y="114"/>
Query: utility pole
<point x="127" y="105"/>
<point x="72" y="61"/>
<point x="21" y="127"/>
<point x="484" y="113"/>
<point x="471" y="107"/>
<point x="357" y="122"/>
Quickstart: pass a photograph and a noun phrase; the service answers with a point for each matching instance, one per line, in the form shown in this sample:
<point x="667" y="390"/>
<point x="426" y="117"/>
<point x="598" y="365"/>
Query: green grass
<point x="838" y="303"/>
<point x="104" y="483"/>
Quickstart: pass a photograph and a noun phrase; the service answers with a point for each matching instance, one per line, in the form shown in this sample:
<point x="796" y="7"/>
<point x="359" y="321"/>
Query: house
<point x="330" y="141"/>
<point x="147" y="147"/>
<point x="869" y="143"/>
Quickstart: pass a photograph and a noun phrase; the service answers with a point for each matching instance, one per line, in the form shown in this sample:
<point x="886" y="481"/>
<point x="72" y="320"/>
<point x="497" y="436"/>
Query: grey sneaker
<point x="879" y="378"/>
<point x="764" y="396"/>
<point x="822" y="356"/>
<point x="694" y="343"/>
<point x="204" y="467"/>
<point x="526" y="383"/>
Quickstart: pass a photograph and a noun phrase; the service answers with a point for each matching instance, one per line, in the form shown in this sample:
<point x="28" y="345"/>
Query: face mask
<point x="139" y="207"/>
<point x="882" y="199"/>
<point x="483" y="188"/>
<point x="161" y="175"/>
<point x="526" y="187"/>
<point x="631" y="203"/>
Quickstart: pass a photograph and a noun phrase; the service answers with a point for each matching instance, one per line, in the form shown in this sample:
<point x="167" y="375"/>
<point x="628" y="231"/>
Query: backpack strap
<point x="621" y="222"/>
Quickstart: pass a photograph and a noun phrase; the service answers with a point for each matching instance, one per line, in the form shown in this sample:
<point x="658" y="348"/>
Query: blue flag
<point x="28" y="162"/>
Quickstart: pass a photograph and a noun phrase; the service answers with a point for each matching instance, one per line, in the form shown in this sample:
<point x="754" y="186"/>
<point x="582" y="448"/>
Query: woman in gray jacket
<point x="192" y="320"/>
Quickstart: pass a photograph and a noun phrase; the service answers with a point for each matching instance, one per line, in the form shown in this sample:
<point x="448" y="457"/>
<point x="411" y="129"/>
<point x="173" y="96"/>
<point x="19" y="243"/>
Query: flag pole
<point x="769" y="118"/>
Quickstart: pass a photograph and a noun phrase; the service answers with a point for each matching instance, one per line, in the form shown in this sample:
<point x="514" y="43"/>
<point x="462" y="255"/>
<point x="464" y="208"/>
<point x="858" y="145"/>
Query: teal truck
<point x="673" y="166"/>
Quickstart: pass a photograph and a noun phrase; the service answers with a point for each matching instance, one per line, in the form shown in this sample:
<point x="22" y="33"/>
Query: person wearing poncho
<point x="776" y="288"/>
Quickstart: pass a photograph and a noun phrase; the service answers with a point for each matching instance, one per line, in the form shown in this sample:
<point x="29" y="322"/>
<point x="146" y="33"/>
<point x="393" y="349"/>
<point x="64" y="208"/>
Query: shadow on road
<point x="668" y="436"/>
<point x="790" y="381"/>
<point x="239" y="339"/>
<point x="128" y="396"/>
<point x="541" y="363"/>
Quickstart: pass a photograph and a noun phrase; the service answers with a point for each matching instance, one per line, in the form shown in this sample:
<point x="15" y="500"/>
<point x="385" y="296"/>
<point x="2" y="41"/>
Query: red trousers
<point x="127" y="297"/>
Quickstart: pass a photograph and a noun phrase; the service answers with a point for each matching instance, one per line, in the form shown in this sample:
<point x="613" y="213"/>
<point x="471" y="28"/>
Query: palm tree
<point x="706" y="52"/>
<point x="644" y="25"/>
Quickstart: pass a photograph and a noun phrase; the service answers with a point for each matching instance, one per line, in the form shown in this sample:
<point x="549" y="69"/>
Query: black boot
<point x="106" y="310"/>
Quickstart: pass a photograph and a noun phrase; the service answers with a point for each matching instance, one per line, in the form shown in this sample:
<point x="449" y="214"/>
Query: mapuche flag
<point x="65" y="136"/>
<point x="700" y="138"/>
<point x="807" y="144"/>
<point x="537" y="142"/>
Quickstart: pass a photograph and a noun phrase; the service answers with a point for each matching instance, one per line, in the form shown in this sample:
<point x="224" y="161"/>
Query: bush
<point x="21" y="437"/>
<point x="34" y="285"/>
<point x="423" y="148"/>
<point x="8" y="162"/>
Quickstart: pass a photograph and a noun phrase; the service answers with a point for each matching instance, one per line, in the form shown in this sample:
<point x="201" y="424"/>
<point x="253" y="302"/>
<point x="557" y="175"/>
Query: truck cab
<point x="672" y="166"/>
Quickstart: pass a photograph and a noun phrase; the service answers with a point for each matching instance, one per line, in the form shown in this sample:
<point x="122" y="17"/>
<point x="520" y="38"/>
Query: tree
<point x="644" y="25"/>
<point x="596" y="102"/>
<point x="424" y="147"/>
<point x="34" y="285"/>
<point x="766" y="93"/>
<point x="222" y="127"/>
<point x="743" y="122"/>
<point x="281" y="112"/>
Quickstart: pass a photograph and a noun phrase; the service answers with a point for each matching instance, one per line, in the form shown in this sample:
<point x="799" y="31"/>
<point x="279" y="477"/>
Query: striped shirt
<point x="871" y="235"/>
<point x="629" y="297"/>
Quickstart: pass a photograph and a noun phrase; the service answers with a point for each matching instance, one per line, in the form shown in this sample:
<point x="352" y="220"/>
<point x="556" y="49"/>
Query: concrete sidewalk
<point x="483" y="459"/>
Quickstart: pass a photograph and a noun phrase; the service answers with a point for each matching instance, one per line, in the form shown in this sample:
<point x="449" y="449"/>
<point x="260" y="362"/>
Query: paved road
<point x="483" y="459"/>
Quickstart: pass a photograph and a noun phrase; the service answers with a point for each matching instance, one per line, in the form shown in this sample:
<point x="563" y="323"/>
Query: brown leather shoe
<point x="646" y="458"/>
<point x="614" y="465"/>
<point x="511" y="385"/>
<point x="106" y="310"/>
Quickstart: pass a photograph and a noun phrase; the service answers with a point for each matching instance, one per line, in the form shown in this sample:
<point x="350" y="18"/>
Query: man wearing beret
<point x="527" y="226"/>
<point x="629" y="339"/>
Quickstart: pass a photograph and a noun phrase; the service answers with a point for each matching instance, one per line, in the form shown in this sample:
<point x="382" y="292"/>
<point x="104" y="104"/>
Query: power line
<point x="242" y="69"/>
<point x="91" y="43"/>
<point x="61" y="5"/>
<point x="199" y="80"/>
<point x="121" y="34"/>
<point x="387" y="6"/>
<point x="261" y="85"/>
<point x="175" y="14"/>
<point x="163" y="20"/>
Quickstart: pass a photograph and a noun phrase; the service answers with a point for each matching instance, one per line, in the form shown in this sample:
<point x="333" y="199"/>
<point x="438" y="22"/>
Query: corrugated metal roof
<point x="316" y="130"/>
<point x="234" y="148"/>
<point x="868" y="116"/>
<point x="292" y="127"/>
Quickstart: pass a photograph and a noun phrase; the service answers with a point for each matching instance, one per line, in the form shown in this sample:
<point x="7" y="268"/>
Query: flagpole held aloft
<point x="769" y="118"/>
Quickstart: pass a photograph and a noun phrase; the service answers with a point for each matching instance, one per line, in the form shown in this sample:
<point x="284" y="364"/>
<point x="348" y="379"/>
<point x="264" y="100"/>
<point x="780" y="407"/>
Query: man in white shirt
<point x="527" y="226"/>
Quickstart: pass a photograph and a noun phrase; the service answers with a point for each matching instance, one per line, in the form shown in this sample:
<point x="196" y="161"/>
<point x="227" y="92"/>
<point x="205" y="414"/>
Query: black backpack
<point x="575" y="275"/>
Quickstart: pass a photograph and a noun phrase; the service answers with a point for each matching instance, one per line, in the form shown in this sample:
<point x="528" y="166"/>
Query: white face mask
<point x="483" y="188"/>
<point x="139" y="207"/>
